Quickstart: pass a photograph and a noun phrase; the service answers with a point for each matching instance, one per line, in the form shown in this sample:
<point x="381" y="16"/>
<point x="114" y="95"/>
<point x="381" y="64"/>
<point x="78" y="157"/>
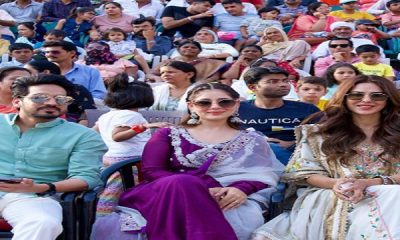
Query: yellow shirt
<point x="322" y="104"/>
<point x="355" y="16"/>
<point x="379" y="69"/>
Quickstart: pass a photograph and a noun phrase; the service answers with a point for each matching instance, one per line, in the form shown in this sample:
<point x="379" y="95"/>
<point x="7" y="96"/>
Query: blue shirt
<point x="162" y="45"/>
<point x="88" y="77"/>
<point x="50" y="152"/>
<point x="228" y="23"/>
<point x="55" y="10"/>
<point x="27" y="14"/>
<point x="277" y="122"/>
<point x="284" y="10"/>
<point x="74" y="30"/>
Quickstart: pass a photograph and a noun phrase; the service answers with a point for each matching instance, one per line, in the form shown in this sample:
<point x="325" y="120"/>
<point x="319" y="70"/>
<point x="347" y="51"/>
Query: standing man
<point x="63" y="54"/>
<point x="43" y="154"/>
<point x="145" y="37"/>
<point x="187" y="20"/>
<point x="269" y="113"/>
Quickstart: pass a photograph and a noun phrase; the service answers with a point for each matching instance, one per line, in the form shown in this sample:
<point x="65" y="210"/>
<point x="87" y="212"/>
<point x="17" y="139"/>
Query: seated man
<point x="187" y="20"/>
<point x="23" y="10"/>
<point x="227" y="25"/>
<point x="341" y="30"/>
<point x="145" y="37"/>
<point x="63" y="54"/>
<point x="20" y="53"/>
<point x="43" y="155"/>
<point x="290" y="9"/>
<point x="269" y="113"/>
<point x="341" y="51"/>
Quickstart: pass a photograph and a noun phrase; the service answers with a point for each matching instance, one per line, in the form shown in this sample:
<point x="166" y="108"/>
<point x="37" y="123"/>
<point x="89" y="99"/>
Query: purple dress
<point x="175" y="198"/>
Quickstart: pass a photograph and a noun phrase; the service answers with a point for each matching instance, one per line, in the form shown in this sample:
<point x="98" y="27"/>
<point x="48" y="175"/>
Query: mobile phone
<point x="10" y="180"/>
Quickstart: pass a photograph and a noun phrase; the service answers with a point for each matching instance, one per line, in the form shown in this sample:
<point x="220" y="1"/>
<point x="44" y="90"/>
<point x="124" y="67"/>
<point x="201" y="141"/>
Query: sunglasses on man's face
<point x="207" y="103"/>
<point x="53" y="52"/>
<point x="42" y="98"/>
<point x="339" y="45"/>
<point x="374" y="96"/>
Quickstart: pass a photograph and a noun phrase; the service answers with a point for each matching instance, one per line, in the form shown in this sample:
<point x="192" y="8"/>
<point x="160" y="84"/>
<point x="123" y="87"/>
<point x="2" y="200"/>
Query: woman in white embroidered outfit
<point x="350" y="163"/>
<point x="205" y="179"/>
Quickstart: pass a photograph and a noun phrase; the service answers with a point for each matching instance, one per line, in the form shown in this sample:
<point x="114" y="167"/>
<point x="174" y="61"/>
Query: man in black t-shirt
<point x="187" y="20"/>
<point x="269" y="113"/>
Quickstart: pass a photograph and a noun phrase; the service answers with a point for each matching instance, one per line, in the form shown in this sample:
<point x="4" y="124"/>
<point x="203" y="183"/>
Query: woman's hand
<point x="319" y="15"/>
<point x="341" y="192"/>
<point x="228" y="197"/>
<point x="358" y="189"/>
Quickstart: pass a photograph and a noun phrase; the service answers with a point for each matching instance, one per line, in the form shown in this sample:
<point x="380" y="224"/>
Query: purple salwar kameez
<point x="178" y="172"/>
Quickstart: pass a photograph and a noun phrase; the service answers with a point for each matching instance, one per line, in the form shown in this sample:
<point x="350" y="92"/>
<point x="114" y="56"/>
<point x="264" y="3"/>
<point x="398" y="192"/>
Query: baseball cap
<point x="365" y="22"/>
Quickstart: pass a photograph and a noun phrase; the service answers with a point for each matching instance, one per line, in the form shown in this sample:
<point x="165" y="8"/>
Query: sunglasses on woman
<point x="223" y="103"/>
<point x="42" y="98"/>
<point x="374" y="96"/>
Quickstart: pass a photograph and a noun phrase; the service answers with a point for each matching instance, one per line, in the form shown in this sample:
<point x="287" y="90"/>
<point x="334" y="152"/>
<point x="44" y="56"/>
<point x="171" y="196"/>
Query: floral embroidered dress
<point x="319" y="214"/>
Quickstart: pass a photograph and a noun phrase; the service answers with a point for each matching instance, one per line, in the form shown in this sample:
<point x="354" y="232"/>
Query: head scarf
<point x="342" y="24"/>
<point x="215" y="40"/>
<point x="271" y="47"/>
<point x="98" y="57"/>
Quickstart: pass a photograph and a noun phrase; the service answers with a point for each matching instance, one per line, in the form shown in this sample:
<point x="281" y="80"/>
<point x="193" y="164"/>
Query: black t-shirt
<point x="188" y="30"/>
<point x="278" y="122"/>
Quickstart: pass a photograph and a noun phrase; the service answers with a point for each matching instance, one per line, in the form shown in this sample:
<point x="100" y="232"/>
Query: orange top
<point x="331" y="2"/>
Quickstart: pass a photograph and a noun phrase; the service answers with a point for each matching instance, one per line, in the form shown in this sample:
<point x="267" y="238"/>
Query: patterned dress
<point x="319" y="214"/>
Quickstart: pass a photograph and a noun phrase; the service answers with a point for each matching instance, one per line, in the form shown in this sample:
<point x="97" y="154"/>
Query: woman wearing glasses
<point x="204" y="179"/>
<point x="350" y="165"/>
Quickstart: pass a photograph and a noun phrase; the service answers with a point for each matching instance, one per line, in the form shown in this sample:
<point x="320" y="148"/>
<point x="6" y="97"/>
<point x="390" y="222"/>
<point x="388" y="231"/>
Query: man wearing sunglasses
<point x="341" y="51"/>
<point x="341" y="30"/>
<point x="41" y="155"/>
<point x="269" y="113"/>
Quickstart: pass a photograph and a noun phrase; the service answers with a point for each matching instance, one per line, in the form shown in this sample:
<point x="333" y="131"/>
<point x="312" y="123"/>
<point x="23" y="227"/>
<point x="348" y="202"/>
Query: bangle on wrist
<point x="139" y="128"/>
<point x="386" y="180"/>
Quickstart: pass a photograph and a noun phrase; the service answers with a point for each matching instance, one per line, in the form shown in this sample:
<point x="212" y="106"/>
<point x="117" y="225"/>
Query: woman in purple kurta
<point x="196" y="188"/>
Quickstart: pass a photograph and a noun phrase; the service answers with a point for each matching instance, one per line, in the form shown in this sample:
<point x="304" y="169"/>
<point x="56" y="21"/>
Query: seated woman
<point x="247" y="55"/>
<point x="179" y="77"/>
<point x="204" y="179"/>
<point x="350" y="165"/>
<point x="113" y="17"/>
<point x="30" y="33"/>
<point x="100" y="57"/>
<point x="276" y="46"/>
<point x="77" y="25"/>
<point x="210" y="46"/>
<point x="313" y="26"/>
<point x="208" y="70"/>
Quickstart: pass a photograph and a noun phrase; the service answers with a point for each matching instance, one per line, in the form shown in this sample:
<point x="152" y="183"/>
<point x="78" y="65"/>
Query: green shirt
<point x="50" y="152"/>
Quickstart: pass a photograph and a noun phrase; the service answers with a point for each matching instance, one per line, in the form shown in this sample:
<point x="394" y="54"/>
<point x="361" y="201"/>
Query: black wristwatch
<point x="51" y="191"/>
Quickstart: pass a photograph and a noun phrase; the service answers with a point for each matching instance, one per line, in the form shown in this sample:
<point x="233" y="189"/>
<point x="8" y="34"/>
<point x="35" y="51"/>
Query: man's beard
<point x="48" y="115"/>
